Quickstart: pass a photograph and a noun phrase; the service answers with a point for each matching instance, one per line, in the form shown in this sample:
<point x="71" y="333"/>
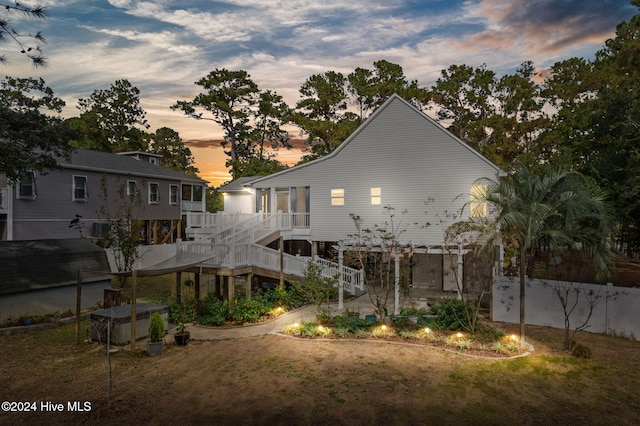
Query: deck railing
<point x="240" y="255"/>
<point x="233" y="237"/>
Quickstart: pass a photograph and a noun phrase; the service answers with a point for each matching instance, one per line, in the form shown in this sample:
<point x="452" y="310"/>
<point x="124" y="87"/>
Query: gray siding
<point x="403" y="152"/>
<point x="50" y="213"/>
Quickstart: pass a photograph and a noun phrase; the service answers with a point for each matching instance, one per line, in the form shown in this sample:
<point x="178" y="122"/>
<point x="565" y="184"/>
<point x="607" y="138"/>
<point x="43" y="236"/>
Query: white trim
<point x="156" y="193"/>
<point x="177" y="201"/>
<point x="73" y="189"/>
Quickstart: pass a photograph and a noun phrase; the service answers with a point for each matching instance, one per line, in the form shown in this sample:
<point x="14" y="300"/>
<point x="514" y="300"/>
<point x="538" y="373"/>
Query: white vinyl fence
<point x="616" y="311"/>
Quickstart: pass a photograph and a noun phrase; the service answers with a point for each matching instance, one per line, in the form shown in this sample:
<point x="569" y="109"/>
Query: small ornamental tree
<point x="123" y="232"/>
<point x="315" y="287"/>
<point x="375" y="250"/>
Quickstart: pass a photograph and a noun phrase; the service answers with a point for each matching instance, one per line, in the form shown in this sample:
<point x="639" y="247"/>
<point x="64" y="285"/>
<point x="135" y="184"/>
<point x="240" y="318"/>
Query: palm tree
<point x="556" y="207"/>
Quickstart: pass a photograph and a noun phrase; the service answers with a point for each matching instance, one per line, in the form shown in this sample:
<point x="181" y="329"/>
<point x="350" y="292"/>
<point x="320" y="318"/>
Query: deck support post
<point x="178" y="287"/>
<point x="341" y="278"/>
<point x="134" y="284"/>
<point x="218" y="285"/>
<point x="459" y="276"/>
<point x="248" y="285"/>
<point x="196" y="287"/>
<point x="396" y="307"/>
<point x="231" y="288"/>
<point x="281" y="245"/>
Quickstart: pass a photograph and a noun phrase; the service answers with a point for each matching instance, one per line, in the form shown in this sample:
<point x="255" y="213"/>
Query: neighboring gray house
<point x="399" y="157"/>
<point x="40" y="277"/>
<point x="43" y="206"/>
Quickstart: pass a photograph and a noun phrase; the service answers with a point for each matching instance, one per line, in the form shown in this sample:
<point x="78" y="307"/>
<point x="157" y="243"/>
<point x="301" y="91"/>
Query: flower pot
<point x="182" y="338"/>
<point x="154" y="348"/>
<point x="371" y="319"/>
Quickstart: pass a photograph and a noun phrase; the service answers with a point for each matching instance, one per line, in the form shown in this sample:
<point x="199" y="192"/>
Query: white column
<point x="459" y="276"/>
<point x="396" y="308"/>
<point x="340" y="279"/>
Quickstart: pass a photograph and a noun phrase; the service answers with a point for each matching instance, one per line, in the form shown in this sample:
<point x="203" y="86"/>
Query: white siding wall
<point x="239" y="202"/>
<point x="406" y="155"/>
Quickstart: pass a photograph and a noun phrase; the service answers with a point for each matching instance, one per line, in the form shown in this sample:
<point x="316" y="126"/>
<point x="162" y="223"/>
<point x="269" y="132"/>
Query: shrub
<point x="450" y="314"/>
<point x="505" y="347"/>
<point x="182" y="312"/>
<point x="283" y="297"/>
<point x="351" y="324"/>
<point x="214" y="311"/>
<point x="245" y="310"/>
<point x="581" y="351"/>
<point x="156" y="327"/>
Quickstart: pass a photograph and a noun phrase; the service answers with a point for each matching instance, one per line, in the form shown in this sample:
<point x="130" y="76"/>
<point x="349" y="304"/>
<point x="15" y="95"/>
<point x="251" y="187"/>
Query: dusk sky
<point x="163" y="46"/>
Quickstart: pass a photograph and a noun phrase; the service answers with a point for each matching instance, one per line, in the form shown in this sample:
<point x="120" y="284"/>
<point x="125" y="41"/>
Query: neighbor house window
<point x="154" y="193"/>
<point x="197" y="193"/>
<point x="27" y="185"/>
<point x="376" y="196"/>
<point x="173" y="194"/>
<point x="80" y="192"/>
<point x="186" y="192"/>
<point x="477" y="205"/>
<point x="337" y="197"/>
<point x="132" y="187"/>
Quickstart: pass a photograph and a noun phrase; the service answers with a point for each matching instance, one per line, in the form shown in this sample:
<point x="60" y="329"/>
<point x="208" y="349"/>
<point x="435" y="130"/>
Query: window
<point x="376" y="196"/>
<point x="337" y="197"/>
<point x="27" y="186"/>
<point x="132" y="187"/>
<point x="186" y="192"/>
<point x="173" y="194"/>
<point x="197" y="193"/>
<point x="80" y="192"/>
<point x="478" y="208"/>
<point x="154" y="193"/>
<point x="192" y="192"/>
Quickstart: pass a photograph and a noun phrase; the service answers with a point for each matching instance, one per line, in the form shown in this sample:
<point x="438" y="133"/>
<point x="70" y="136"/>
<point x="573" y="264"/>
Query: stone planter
<point x="154" y="348"/>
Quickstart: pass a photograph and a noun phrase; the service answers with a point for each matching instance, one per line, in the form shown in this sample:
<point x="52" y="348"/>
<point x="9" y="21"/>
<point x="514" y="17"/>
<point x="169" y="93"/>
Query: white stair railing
<point x="234" y="245"/>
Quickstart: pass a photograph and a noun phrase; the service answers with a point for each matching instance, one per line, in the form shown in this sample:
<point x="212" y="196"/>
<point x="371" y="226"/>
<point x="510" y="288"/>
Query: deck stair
<point x="238" y="243"/>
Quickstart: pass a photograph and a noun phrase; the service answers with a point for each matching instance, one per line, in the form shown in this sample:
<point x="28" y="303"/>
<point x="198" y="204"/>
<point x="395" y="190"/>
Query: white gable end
<point x="400" y="158"/>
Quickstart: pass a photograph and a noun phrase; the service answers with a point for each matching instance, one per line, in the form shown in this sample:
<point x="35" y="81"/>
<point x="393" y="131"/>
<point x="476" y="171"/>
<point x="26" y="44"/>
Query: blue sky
<point x="163" y="46"/>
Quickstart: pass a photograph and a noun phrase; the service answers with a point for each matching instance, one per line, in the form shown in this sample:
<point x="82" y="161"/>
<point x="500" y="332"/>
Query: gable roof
<point x="84" y="159"/>
<point x="40" y="264"/>
<point x="237" y="185"/>
<point x="393" y="98"/>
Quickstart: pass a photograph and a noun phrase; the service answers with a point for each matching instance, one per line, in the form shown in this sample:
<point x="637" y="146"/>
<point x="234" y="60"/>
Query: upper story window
<point x="192" y="192"/>
<point x="132" y="187"/>
<point x="376" y="196"/>
<point x="197" y="193"/>
<point x="337" y="196"/>
<point x="80" y="192"/>
<point x="173" y="194"/>
<point x="477" y="205"/>
<point x="154" y="193"/>
<point x="27" y="186"/>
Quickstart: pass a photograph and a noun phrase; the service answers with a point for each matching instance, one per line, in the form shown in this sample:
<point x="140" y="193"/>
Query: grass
<point x="277" y="380"/>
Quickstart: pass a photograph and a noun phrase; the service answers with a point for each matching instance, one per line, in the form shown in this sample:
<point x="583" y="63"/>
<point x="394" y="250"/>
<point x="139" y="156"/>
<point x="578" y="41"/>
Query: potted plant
<point x="182" y="335"/>
<point x="156" y="335"/>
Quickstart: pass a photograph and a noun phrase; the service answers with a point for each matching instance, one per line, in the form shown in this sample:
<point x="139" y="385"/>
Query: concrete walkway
<point x="360" y="304"/>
